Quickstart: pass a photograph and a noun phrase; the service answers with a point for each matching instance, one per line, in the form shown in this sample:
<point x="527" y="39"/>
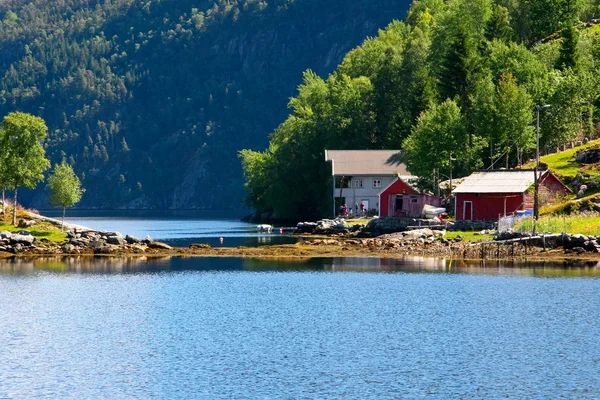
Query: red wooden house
<point x="488" y="195"/>
<point x="402" y="200"/>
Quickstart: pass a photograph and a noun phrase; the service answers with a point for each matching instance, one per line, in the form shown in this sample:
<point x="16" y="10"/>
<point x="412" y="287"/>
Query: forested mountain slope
<point x="456" y="79"/>
<point x="150" y="100"/>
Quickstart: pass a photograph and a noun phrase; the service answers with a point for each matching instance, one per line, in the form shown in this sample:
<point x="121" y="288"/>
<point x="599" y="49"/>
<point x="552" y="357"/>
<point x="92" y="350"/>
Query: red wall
<point x="487" y="207"/>
<point x="553" y="185"/>
<point x="387" y="200"/>
<point x="398" y="187"/>
<point x="550" y="189"/>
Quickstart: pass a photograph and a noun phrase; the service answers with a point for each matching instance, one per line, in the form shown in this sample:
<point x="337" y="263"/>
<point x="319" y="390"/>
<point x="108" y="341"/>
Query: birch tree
<point x="24" y="158"/>
<point x="65" y="188"/>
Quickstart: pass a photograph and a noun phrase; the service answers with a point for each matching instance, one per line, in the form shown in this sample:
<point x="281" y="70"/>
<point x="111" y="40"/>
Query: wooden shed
<point x="400" y="199"/>
<point x="488" y="195"/>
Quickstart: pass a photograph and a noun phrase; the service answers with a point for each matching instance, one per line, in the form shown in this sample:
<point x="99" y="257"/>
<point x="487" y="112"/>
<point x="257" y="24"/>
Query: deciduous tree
<point x="21" y="137"/>
<point x="64" y="187"/>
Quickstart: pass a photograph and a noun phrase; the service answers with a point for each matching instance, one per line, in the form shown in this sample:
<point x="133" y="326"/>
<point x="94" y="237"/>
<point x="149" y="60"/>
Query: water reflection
<point x="438" y="265"/>
<point x="142" y="264"/>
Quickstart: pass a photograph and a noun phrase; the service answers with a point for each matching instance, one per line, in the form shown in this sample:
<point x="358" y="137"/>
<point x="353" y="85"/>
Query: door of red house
<point x="468" y="210"/>
<point x="399" y="205"/>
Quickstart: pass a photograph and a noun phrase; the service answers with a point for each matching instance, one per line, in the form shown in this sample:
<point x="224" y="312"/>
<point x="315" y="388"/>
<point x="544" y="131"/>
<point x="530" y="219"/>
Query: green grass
<point x="468" y="236"/>
<point x="564" y="164"/>
<point x="355" y="221"/>
<point x="39" y="230"/>
<point x="42" y="230"/>
<point x="584" y="223"/>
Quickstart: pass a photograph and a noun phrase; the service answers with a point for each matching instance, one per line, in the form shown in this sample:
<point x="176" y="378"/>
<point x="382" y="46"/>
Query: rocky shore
<point x="421" y="242"/>
<point x="327" y="238"/>
<point x="83" y="242"/>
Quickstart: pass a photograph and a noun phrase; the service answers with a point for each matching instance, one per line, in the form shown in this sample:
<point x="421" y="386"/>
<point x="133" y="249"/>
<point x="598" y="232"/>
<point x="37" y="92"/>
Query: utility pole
<point x="437" y="182"/>
<point x="451" y="159"/>
<point x="536" y="210"/>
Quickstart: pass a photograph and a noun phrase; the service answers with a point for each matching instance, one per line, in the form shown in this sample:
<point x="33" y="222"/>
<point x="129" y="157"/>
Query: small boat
<point x="264" y="228"/>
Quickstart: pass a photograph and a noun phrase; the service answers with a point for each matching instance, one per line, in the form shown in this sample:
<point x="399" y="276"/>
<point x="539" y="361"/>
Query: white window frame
<point x="358" y="184"/>
<point x="376" y="183"/>
<point x="414" y="200"/>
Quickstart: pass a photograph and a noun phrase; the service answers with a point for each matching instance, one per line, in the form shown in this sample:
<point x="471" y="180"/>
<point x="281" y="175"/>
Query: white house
<point x="360" y="175"/>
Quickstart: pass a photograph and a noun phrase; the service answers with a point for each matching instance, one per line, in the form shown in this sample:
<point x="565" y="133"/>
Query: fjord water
<point x="181" y="229"/>
<point x="183" y="328"/>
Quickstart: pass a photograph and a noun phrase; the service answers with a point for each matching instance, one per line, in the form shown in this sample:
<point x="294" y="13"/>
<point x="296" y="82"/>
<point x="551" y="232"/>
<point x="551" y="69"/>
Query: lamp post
<point x="536" y="210"/>
<point x="451" y="159"/>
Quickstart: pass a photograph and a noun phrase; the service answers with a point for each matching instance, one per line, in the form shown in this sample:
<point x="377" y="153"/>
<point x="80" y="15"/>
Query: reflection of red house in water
<point x="402" y="200"/>
<point x="487" y="195"/>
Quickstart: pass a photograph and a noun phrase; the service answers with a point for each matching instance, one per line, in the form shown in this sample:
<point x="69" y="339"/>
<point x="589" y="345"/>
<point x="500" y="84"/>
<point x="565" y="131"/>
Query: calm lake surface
<point x="228" y="328"/>
<point x="182" y="230"/>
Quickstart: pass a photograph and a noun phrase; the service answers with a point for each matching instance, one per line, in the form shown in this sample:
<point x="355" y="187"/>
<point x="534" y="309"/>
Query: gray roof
<point x="365" y="162"/>
<point x="505" y="181"/>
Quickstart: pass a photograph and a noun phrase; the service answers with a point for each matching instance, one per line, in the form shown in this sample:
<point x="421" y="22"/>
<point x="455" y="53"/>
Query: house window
<point x="414" y="200"/>
<point x="376" y="183"/>
<point x="358" y="183"/>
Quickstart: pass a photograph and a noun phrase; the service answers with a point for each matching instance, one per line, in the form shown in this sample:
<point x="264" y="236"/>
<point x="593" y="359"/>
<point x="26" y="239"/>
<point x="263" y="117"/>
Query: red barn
<point x="487" y="195"/>
<point x="402" y="200"/>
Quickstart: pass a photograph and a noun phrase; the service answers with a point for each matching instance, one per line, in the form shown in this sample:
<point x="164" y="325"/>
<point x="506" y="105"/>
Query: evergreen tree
<point x="499" y="27"/>
<point x="569" y="53"/>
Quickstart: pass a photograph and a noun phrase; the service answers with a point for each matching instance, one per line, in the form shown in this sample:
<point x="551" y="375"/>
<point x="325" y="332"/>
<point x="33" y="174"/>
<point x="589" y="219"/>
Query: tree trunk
<point x="3" y="202"/>
<point x="14" y="219"/>
<point x="62" y="225"/>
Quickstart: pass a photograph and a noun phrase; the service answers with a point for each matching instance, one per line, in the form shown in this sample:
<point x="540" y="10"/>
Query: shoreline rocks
<point x="78" y="242"/>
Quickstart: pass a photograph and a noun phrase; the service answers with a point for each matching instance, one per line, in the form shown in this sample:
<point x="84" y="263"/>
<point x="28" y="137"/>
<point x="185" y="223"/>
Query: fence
<point x="514" y="223"/>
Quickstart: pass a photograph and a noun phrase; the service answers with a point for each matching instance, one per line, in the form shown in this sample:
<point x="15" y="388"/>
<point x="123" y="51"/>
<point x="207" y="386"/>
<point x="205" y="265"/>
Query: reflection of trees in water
<point x="409" y="264"/>
<point x="439" y="265"/>
<point x="405" y="264"/>
<point x="551" y="268"/>
<point x="83" y="264"/>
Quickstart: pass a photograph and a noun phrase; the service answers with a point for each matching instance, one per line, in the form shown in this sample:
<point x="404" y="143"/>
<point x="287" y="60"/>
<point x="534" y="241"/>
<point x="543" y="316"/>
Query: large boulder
<point x="116" y="240"/>
<point x="412" y="235"/>
<point x="379" y="226"/>
<point x="26" y="223"/>
<point x="306" y="227"/>
<point x="588" y="156"/>
<point x="131" y="239"/>
<point x="15" y="238"/>
<point x="159" y="246"/>
<point x="68" y="248"/>
<point x="97" y="244"/>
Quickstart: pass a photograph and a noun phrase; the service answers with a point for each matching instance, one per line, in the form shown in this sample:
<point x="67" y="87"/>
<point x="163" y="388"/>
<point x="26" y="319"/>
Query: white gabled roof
<point x="505" y="181"/>
<point x="365" y="162"/>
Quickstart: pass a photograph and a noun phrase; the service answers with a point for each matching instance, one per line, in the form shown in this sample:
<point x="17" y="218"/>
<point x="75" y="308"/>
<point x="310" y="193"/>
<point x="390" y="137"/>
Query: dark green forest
<point x="150" y="100"/>
<point x="455" y="79"/>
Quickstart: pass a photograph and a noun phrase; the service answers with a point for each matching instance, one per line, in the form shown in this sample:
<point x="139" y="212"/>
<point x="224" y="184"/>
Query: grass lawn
<point x="563" y="163"/>
<point x="356" y="221"/>
<point x="40" y="230"/>
<point x="468" y="236"/>
<point x="587" y="224"/>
